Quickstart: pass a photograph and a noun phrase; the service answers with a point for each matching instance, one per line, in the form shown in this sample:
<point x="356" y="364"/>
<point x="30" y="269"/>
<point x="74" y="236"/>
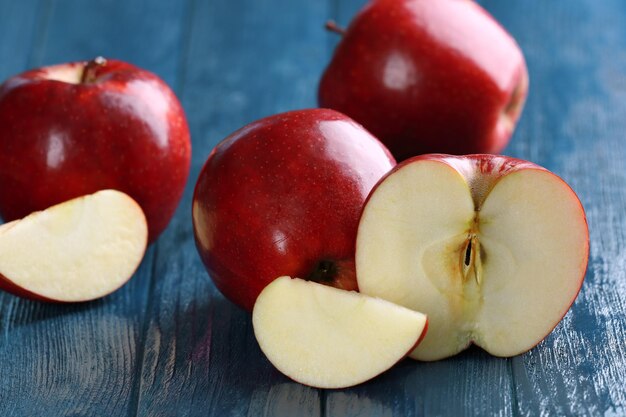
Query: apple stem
<point x="332" y="26"/>
<point x="89" y="72"/>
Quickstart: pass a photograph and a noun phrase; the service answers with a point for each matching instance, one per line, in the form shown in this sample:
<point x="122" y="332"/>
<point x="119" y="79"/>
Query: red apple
<point x="73" y="129"/>
<point x="493" y="249"/>
<point x="428" y="76"/>
<point x="282" y="196"/>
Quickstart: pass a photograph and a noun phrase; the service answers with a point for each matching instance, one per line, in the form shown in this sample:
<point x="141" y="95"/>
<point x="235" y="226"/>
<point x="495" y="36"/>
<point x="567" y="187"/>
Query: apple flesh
<point x="283" y="196"/>
<point x="79" y="250"/>
<point x="428" y="76"/>
<point x="329" y="338"/>
<point x="493" y="249"/>
<point x="73" y="129"/>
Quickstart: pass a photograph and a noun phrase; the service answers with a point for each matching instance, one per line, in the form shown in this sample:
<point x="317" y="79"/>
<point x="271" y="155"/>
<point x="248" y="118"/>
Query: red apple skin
<point x="428" y="76"/>
<point x="121" y="128"/>
<point x="281" y="195"/>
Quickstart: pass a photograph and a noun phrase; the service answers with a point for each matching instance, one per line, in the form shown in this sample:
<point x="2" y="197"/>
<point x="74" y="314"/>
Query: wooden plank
<point x="247" y="59"/>
<point x="20" y="34"/>
<point x="574" y="125"/>
<point x="146" y="33"/>
<point x="196" y="354"/>
<point x="470" y="384"/>
<point x="82" y="359"/>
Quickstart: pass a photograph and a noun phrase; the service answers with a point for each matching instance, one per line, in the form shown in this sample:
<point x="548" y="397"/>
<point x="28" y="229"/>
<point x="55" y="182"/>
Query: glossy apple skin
<point x="124" y="130"/>
<point x="428" y="76"/>
<point x="281" y="195"/>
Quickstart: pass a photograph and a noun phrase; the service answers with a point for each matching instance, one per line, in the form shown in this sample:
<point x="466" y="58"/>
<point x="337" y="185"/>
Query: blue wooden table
<point x="168" y="344"/>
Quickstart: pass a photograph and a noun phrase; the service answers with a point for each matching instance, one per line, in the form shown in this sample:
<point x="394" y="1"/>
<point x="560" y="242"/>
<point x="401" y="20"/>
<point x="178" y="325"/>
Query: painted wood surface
<point x="168" y="344"/>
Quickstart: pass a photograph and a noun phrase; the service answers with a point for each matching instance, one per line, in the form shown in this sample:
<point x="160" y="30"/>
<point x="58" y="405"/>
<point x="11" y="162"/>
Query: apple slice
<point x="330" y="338"/>
<point x="78" y="250"/>
<point x="493" y="249"/>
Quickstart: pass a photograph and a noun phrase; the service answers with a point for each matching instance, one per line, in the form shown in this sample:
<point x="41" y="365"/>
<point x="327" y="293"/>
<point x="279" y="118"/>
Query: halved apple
<point x="330" y="338"/>
<point x="493" y="249"/>
<point x="78" y="250"/>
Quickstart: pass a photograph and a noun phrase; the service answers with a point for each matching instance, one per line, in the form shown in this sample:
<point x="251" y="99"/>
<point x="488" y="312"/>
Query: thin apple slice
<point x="329" y="338"/>
<point x="78" y="250"/>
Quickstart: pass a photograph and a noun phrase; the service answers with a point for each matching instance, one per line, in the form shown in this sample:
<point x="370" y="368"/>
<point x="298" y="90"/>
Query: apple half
<point x="493" y="249"/>
<point x="325" y="337"/>
<point x="79" y="250"/>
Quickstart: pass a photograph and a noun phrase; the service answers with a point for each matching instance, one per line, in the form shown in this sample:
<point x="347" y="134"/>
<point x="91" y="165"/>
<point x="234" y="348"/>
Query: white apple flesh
<point x="78" y="250"/>
<point x="493" y="249"/>
<point x="325" y="337"/>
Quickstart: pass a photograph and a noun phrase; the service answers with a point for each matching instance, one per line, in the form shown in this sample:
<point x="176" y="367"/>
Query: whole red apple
<point x="283" y="196"/>
<point x="73" y="129"/>
<point x="428" y="76"/>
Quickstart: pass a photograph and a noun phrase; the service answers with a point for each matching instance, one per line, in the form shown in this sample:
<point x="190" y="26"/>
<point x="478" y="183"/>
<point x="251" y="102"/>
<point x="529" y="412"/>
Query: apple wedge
<point x="330" y="338"/>
<point x="493" y="249"/>
<point x="79" y="250"/>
